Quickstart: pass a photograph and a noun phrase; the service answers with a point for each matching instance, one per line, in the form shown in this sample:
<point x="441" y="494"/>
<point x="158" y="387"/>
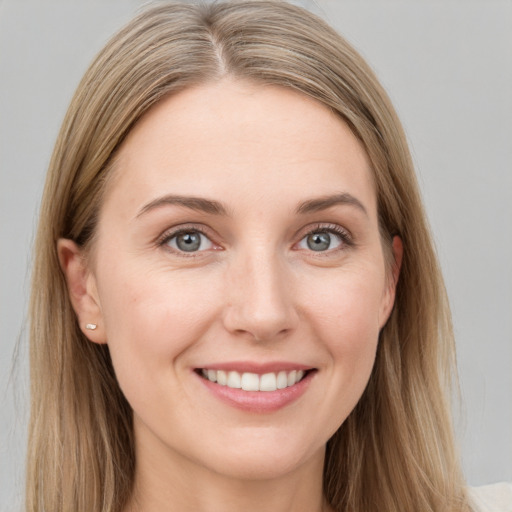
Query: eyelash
<point x="345" y="236"/>
<point x="173" y="233"/>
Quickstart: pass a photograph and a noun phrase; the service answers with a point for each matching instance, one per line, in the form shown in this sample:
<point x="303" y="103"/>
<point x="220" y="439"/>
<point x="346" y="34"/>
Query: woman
<point x="236" y="303"/>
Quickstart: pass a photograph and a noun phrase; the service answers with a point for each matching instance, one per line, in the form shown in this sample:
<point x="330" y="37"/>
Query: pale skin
<point x="278" y="259"/>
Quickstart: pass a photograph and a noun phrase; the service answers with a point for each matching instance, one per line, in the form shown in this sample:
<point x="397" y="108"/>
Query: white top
<point x="491" y="498"/>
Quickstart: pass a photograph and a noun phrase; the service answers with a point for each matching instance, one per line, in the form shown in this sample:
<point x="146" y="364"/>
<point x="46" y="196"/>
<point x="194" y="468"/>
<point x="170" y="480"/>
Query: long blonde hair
<point x="396" y="450"/>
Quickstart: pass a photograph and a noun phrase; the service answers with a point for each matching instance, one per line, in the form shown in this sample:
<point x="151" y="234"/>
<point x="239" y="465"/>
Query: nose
<point x="260" y="303"/>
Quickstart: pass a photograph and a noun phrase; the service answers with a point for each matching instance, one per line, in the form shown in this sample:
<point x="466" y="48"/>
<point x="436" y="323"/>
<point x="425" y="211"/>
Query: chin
<point x="259" y="460"/>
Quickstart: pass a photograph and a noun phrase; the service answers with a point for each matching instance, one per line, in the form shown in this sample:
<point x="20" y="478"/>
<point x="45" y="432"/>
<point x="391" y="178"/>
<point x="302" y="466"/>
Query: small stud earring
<point x="91" y="327"/>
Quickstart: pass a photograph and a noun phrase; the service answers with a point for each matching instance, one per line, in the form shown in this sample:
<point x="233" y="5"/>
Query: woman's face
<point x="238" y="245"/>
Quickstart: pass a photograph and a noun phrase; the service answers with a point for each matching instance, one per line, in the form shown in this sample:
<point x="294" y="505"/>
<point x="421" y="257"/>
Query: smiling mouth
<point x="248" y="381"/>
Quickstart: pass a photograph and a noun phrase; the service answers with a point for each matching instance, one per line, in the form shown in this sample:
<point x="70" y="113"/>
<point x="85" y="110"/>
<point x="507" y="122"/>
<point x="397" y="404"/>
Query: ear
<point x="389" y="295"/>
<point x="82" y="290"/>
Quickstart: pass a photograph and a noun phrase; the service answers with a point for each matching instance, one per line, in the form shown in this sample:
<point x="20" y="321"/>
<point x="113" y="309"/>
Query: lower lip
<point x="259" y="401"/>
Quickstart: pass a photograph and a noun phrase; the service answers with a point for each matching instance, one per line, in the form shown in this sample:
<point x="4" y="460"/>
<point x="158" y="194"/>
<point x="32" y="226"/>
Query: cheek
<point x="151" y="318"/>
<point x="348" y="308"/>
<point x="346" y="320"/>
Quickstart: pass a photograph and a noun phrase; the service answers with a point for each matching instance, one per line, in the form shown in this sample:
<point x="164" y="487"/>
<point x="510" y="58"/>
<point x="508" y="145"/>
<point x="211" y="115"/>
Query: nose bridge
<point x="260" y="302"/>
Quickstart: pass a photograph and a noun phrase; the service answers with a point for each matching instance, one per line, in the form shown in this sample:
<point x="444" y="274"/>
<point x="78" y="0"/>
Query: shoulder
<point x="491" y="498"/>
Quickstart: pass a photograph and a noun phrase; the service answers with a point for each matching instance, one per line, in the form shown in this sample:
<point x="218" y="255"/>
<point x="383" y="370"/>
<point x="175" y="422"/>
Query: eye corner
<point x="187" y="241"/>
<point x="325" y="239"/>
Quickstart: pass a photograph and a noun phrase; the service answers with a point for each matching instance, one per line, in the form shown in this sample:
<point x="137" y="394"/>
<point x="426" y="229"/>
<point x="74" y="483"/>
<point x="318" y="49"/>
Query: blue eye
<point x="321" y="240"/>
<point x="189" y="241"/>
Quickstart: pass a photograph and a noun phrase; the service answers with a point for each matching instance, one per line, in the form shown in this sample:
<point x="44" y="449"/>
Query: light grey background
<point x="448" y="68"/>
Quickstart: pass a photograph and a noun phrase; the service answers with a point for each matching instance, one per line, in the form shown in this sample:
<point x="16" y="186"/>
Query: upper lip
<point x="254" y="367"/>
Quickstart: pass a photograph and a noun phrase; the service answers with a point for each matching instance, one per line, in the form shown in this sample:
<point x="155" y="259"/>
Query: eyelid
<point x="343" y="233"/>
<point x="170" y="233"/>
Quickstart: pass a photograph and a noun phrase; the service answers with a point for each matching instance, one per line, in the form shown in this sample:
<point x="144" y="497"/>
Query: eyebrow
<point x="323" y="203"/>
<point x="213" y="207"/>
<point x="193" y="203"/>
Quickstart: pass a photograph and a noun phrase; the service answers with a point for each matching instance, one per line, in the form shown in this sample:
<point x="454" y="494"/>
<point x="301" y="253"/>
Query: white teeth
<point x="268" y="382"/>
<point x="222" y="378"/>
<point x="252" y="381"/>
<point x="291" y="378"/>
<point x="282" y="380"/>
<point x="234" y="380"/>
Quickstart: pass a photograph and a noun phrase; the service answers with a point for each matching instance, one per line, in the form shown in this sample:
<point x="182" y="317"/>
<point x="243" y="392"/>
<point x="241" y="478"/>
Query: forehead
<point x="237" y="139"/>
